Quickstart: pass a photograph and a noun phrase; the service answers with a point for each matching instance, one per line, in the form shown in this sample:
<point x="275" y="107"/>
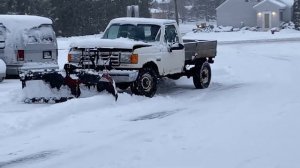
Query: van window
<point x="2" y="36"/>
<point x="43" y="34"/>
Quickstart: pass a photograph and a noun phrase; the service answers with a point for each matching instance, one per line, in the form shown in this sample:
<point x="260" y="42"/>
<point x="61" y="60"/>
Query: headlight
<point x="74" y="55"/>
<point x="125" y="58"/>
<point x="129" y="58"/>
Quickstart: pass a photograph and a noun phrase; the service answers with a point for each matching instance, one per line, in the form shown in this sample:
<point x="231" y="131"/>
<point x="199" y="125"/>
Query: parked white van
<point x="27" y="43"/>
<point x="2" y="70"/>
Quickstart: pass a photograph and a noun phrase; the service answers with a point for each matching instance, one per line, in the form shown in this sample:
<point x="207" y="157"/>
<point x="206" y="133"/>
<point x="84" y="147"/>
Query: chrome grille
<point x="112" y="57"/>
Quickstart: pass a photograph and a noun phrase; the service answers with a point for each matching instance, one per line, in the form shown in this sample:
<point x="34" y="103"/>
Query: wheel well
<point x="151" y="65"/>
<point x="200" y="61"/>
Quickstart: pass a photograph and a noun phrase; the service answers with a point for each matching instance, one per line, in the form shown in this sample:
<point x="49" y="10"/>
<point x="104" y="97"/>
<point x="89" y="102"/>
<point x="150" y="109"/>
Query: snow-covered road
<point x="249" y="117"/>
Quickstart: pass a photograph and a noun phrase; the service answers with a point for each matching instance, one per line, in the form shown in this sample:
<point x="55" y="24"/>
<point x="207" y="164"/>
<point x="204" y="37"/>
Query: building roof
<point x="162" y="1"/>
<point x="278" y="3"/>
<point x="288" y="2"/>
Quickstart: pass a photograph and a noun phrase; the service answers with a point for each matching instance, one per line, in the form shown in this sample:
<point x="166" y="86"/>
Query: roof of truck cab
<point x="12" y="22"/>
<point x="142" y="21"/>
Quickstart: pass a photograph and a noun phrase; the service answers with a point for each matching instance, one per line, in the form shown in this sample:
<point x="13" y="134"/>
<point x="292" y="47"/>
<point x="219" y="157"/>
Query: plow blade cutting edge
<point x="57" y="87"/>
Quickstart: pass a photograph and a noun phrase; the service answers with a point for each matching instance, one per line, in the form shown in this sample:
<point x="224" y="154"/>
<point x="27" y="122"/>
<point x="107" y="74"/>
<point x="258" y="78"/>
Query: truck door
<point x="173" y="58"/>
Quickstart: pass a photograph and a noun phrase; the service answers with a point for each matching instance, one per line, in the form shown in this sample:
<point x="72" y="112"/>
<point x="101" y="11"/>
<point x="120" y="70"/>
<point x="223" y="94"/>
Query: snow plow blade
<point x="57" y="87"/>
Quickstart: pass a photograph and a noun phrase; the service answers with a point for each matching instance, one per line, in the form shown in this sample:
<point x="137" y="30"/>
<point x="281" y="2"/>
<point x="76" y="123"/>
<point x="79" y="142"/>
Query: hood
<point x="121" y="43"/>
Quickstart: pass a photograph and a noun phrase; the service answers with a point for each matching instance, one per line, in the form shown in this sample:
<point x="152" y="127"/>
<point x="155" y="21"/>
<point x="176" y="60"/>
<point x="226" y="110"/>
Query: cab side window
<point x="171" y="35"/>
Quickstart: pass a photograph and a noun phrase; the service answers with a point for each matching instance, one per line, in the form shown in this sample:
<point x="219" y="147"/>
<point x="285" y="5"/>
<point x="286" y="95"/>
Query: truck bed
<point x="200" y="49"/>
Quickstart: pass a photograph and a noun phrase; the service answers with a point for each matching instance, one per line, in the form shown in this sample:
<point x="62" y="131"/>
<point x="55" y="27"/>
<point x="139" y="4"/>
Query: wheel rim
<point x="204" y="76"/>
<point x="147" y="82"/>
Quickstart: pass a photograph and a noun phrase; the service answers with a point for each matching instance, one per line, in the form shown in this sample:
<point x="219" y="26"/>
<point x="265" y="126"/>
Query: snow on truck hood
<point x="120" y="43"/>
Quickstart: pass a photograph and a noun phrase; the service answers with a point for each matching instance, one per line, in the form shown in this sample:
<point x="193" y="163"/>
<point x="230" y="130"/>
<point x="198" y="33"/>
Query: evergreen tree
<point x="75" y="17"/>
<point x="296" y="14"/>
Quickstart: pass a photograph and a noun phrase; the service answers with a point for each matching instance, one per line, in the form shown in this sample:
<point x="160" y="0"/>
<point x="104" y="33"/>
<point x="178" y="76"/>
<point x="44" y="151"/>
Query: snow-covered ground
<point x="249" y="117"/>
<point x="246" y="35"/>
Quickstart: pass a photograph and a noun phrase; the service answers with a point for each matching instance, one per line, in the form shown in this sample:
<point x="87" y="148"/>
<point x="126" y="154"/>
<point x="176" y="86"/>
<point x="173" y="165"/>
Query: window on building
<point x="281" y="15"/>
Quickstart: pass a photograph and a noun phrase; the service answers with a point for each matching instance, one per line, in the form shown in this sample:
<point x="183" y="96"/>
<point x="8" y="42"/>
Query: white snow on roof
<point x="288" y="2"/>
<point x="162" y="1"/>
<point x="13" y="22"/>
<point x="142" y="21"/>
<point x="153" y="10"/>
<point x="189" y="7"/>
<point x="276" y="2"/>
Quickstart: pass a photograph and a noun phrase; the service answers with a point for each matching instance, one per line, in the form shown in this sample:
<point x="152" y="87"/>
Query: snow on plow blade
<point x="57" y="87"/>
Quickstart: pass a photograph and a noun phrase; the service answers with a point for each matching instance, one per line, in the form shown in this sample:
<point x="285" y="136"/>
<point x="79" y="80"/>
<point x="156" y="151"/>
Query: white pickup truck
<point x="137" y="52"/>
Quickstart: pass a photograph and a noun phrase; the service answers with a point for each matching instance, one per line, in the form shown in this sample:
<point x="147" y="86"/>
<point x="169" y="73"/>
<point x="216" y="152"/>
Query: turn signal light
<point x="21" y="55"/>
<point x="69" y="57"/>
<point x="134" y="59"/>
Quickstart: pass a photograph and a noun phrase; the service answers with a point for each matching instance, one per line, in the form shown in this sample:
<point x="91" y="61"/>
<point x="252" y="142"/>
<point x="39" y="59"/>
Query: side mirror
<point x="175" y="46"/>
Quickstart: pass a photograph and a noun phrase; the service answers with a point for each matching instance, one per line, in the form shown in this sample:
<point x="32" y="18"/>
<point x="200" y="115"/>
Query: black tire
<point x="134" y="88"/>
<point x="146" y="83"/>
<point x="123" y="86"/>
<point x="202" y="75"/>
<point x="1" y="79"/>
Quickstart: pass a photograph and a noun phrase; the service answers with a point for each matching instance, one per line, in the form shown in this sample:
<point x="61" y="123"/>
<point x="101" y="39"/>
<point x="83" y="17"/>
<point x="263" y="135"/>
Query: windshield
<point x="140" y="32"/>
<point x="43" y="34"/>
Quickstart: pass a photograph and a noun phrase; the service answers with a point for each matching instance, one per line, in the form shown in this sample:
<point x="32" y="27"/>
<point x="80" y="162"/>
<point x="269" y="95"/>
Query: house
<point x="160" y="9"/>
<point x="265" y="14"/>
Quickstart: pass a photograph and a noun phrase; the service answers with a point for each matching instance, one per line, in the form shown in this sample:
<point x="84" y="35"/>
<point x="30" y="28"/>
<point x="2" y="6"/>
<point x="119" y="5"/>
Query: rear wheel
<point x="202" y="75"/>
<point x="146" y="83"/>
<point x="1" y="79"/>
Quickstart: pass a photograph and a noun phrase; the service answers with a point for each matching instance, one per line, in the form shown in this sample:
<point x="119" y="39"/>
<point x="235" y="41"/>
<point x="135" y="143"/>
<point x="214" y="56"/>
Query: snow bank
<point x="244" y="35"/>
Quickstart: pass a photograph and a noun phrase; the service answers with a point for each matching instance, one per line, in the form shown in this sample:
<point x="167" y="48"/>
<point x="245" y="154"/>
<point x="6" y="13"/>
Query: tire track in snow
<point x="43" y="155"/>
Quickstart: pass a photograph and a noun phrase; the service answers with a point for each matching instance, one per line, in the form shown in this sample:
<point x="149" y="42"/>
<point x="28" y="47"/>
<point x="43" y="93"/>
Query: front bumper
<point x="18" y="68"/>
<point x="124" y="76"/>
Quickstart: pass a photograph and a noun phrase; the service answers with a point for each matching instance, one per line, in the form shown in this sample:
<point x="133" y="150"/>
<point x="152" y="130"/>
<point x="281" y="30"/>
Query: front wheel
<point x="202" y="75"/>
<point x="146" y="83"/>
<point x="123" y="86"/>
